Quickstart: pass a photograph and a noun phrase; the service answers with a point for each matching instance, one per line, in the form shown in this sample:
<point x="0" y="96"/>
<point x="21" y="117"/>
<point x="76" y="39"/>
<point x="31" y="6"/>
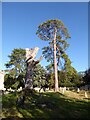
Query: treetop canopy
<point x="46" y="30"/>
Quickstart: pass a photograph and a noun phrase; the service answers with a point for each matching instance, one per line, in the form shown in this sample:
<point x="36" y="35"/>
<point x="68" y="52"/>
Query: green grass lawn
<point x="49" y="105"/>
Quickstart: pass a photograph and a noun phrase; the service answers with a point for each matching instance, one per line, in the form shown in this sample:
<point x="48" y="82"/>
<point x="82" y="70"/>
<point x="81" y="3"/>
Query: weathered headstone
<point x="60" y="88"/>
<point x="86" y="96"/>
<point x="63" y="90"/>
<point x="78" y="90"/>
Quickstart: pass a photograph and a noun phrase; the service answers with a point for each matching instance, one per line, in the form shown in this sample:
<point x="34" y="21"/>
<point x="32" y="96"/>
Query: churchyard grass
<point x="47" y="105"/>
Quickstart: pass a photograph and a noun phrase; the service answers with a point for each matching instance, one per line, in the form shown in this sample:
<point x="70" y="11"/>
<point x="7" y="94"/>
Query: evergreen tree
<point x="16" y="63"/>
<point x="86" y="77"/>
<point x="54" y="31"/>
<point x="39" y="76"/>
<point x="16" y="69"/>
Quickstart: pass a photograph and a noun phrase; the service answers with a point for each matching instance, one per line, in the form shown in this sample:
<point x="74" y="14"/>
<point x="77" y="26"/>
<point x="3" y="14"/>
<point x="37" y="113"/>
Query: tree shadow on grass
<point x="49" y="106"/>
<point x="55" y="105"/>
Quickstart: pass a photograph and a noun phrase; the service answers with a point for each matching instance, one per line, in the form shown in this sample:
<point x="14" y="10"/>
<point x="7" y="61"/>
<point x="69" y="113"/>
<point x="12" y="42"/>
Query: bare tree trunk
<point x="55" y="62"/>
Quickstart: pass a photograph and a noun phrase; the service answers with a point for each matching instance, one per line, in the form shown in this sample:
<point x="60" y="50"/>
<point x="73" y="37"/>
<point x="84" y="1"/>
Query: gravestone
<point x="64" y="89"/>
<point x="86" y="96"/>
<point x="78" y="90"/>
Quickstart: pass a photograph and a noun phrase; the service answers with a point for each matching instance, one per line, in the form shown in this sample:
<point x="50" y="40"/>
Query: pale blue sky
<point x="20" y="22"/>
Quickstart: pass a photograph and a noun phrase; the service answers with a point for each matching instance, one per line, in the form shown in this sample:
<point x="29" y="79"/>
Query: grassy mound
<point x="48" y="105"/>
